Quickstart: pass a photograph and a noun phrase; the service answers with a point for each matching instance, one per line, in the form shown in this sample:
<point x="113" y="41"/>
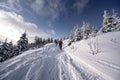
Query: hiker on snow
<point x="60" y="44"/>
<point x="56" y="42"/>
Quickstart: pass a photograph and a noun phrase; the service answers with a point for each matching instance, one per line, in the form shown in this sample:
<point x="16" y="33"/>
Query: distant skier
<point x="60" y="44"/>
<point x="56" y="42"/>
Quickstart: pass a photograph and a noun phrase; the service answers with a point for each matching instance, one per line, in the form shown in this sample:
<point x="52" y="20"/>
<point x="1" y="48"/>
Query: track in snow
<point x="72" y="70"/>
<point x="48" y="63"/>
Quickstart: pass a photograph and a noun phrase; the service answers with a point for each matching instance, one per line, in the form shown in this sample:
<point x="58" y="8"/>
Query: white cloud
<point x="51" y="8"/>
<point x="80" y="5"/>
<point x="13" y="25"/>
<point x="50" y="25"/>
<point x="13" y="5"/>
<point x="53" y="31"/>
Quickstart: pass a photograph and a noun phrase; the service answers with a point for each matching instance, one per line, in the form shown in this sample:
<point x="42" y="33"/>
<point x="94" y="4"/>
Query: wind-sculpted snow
<point x="48" y="63"/>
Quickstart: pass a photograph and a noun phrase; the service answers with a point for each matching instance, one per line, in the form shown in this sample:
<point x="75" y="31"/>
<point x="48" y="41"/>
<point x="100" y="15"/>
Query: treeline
<point x="9" y="50"/>
<point x="40" y="42"/>
<point x="111" y="22"/>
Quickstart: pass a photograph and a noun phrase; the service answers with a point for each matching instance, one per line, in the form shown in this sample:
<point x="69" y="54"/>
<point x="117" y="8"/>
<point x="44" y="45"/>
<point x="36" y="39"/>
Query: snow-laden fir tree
<point x="82" y="33"/>
<point x="48" y="40"/>
<point x="51" y="40"/>
<point x="16" y="51"/>
<point x="11" y="49"/>
<point x="71" y="37"/>
<point x="79" y="37"/>
<point x="23" y="42"/>
<point x="5" y="51"/>
<point x="38" y="42"/>
<point x="76" y="34"/>
<point x="110" y="22"/>
<point x="85" y="30"/>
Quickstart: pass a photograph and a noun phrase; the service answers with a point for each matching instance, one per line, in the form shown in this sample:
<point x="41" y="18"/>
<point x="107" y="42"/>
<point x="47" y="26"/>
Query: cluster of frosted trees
<point x="83" y="32"/>
<point x="8" y="50"/>
<point x="111" y="22"/>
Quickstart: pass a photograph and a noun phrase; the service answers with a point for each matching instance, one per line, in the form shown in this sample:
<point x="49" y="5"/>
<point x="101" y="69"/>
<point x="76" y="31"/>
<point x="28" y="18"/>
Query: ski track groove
<point x="110" y="65"/>
<point x="64" y="67"/>
<point x="78" y="71"/>
<point x="106" y="64"/>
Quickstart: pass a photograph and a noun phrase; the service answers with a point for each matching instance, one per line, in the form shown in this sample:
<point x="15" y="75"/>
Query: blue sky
<point x="51" y="18"/>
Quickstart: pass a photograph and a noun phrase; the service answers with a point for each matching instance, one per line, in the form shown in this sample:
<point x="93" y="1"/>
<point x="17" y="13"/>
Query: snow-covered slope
<point x="107" y="60"/>
<point x="74" y="62"/>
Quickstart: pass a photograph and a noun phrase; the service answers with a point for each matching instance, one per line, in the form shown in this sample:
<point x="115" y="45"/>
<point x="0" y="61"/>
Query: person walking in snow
<point x="56" y="42"/>
<point x="60" y="44"/>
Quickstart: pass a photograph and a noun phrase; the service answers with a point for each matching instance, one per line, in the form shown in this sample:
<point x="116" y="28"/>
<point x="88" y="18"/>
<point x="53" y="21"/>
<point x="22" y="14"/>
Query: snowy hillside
<point x="75" y="62"/>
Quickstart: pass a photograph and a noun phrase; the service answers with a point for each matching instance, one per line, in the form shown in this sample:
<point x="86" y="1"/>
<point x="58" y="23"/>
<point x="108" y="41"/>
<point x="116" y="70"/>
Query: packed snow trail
<point x="48" y="63"/>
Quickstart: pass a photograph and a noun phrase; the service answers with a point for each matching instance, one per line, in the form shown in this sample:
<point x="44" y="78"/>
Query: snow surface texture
<point x="75" y="62"/>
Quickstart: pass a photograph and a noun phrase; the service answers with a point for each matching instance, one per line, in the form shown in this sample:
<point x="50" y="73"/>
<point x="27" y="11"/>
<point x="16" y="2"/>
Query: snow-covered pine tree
<point x="44" y="41"/>
<point x="1" y="52"/>
<point x="76" y="34"/>
<point x="4" y="51"/>
<point x="32" y="45"/>
<point x="85" y="30"/>
<point x="23" y="42"/>
<point x="116" y="22"/>
<point x="71" y="37"/>
<point x="48" y="40"/>
<point x="110" y="22"/>
<point x="38" y="41"/>
<point x="51" y="40"/>
<point x="11" y="49"/>
<point x="16" y="51"/>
